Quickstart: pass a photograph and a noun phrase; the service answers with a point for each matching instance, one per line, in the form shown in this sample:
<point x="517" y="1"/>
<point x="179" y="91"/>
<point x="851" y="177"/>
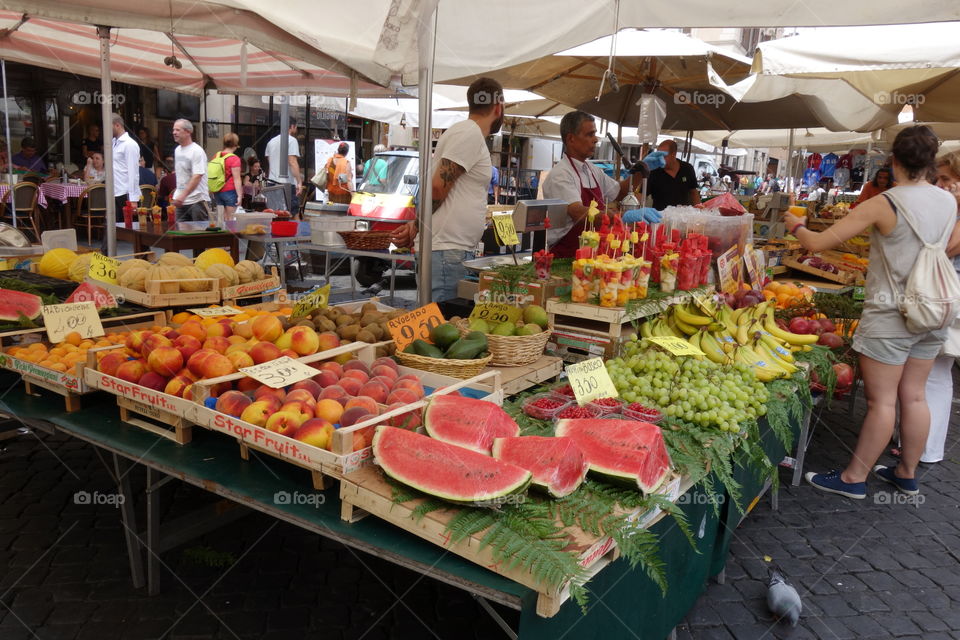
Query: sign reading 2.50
<point x="415" y="325"/>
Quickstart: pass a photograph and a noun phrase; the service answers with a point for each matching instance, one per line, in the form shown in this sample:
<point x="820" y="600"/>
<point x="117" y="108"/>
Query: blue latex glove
<point x="645" y="214"/>
<point x="655" y="160"/>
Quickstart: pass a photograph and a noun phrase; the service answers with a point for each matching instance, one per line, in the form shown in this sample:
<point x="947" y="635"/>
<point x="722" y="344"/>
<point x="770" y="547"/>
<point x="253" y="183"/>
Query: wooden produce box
<point x="231" y="294"/>
<point x="845" y="276"/>
<point x="154" y="299"/>
<point x="517" y="379"/>
<point x="70" y="384"/>
<point x="367" y="489"/>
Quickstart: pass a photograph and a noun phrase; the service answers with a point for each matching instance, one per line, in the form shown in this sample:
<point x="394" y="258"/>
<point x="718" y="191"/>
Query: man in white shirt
<point x="459" y="186"/>
<point x="126" y="166"/>
<point x="192" y="197"/>
<point x="275" y="161"/>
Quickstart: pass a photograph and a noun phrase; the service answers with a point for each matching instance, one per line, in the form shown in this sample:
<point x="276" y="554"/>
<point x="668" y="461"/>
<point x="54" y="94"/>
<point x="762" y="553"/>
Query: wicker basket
<point x="367" y="240"/>
<point x="454" y="368"/>
<point x="512" y="351"/>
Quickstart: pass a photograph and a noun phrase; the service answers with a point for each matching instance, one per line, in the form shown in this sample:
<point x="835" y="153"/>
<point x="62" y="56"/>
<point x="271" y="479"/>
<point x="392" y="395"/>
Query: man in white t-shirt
<point x="275" y="161"/>
<point x="460" y="181"/>
<point x="191" y="198"/>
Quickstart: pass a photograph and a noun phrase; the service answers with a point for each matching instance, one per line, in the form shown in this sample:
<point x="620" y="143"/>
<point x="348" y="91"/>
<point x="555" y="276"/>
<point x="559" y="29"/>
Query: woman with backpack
<point x="223" y="176"/>
<point x="911" y="224"/>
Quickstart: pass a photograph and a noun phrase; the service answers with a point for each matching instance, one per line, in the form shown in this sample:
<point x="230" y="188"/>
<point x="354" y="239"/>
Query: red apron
<point x="567" y="246"/>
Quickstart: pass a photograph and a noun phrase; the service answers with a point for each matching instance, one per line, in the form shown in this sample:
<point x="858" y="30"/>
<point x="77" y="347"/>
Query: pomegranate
<point x="844" y="375"/>
<point x="827" y="325"/>
<point x="831" y="340"/>
<point x="799" y="325"/>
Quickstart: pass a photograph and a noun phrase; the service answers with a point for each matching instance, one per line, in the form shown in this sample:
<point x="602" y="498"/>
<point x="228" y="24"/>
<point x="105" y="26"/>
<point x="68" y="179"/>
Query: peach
<point x="409" y="376"/>
<point x="315" y="432"/>
<point x="329" y="410"/>
<point x="402" y="396"/>
<point x="326" y="379"/>
<point x="235" y="340"/>
<point x="356" y="374"/>
<point x="375" y="390"/>
<point x="240" y="359"/>
<point x="264" y="390"/>
<point x="267" y="328"/>
<point x="302" y="395"/>
<point x="153" y="341"/>
<point x="285" y="423"/>
<point x="384" y="380"/>
<point x="177" y="385"/>
<point x="285" y="341"/>
<point x="290" y="353"/>
<point x="219" y="329"/>
<point x="335" y="392"/>
<point x="264" y="351"/>
<point x="412" y="385"/>
<point x="217" y="343"/>
<point x="218" y="390"/>
<point x="186" y="373"/>
<point x="257" y="413"/>
<point x="386" y="362"/>
<point x="351" y="386"/>
<point x="248" y="384"/>
<point x="153" y="380"/>
<point x="361" y="439"/>
<point x="131" y="370"/>
<point x="243" y="347"/>
<point x="356" y="365"/>
<point x="187" y="345"/>
<point x="233" y="403"/>
<point x="353" y="415"/>
<point x="169" y="332"/>
<point x="329" y="365"/>
<point x="298" y="408"/>
<point x="166" y="361"/>
<point x="310" y="386"/>
<point x="410" y="420"/>
<point x="385" y="371"/>
<point x="188" y="392"/>
<point x="135" y="339"/>
<point x="305" y="340"/>
<point x="217" y="365"/>
<point x="194" y="329"/>
<point x="109" y="363"/>
<point x="365" y="402"/>
<point x="243" y="329"/>
<point x="328" y="340"/>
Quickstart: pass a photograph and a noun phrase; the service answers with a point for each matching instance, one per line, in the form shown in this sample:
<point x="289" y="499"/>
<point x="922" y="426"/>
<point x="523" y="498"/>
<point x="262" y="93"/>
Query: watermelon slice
<point x="14" y="304"/>
<point x="557" y="464"/>
<point x="88" y="292"/>
<point x="468" y="422"/>
<point x="621" y="451"/>
<point x="445" y="470"/>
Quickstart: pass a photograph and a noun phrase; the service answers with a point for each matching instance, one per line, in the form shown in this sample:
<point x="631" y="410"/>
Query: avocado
<point x="444" y="335"/>
<point x="410" y="349"/>
<point x="423" y="348"/>
<point x="529" y="329"/>
<point x="475" y="335"/>
<point x="504" y="329"/>
<point x="465" y="349"/>
<point x="535" y="314"/>
<point x="480" y="325"/>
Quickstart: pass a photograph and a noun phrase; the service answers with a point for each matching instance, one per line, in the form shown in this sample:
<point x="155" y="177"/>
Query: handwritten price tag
<point x="210" y="312"/>
<point x="280" y="372"/>
<point x="496" y="312"/>
<point x="415" y="325"/>
<point x="590" y="381"/>
<point x="676" y="346"/>
<point x="506" y="232"/>
<point x="61" y="319"/>
<point x="316" y="298"/>
<point x="103" y="268"/>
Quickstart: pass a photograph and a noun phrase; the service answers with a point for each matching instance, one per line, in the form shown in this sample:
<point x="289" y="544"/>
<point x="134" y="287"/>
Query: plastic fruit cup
<point x="171" y="215"/>
<point x="573" y="411"/>
<point x="637" y="411"/>
<point x="543" y="406"/>
<point x="604" y="406"/>
<point x="127" y="218"/>
<point x="563" y="391"/>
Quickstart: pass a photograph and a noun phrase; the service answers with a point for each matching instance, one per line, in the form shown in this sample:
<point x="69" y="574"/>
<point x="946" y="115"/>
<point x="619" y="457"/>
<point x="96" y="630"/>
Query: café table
<point x="185" y="236"/>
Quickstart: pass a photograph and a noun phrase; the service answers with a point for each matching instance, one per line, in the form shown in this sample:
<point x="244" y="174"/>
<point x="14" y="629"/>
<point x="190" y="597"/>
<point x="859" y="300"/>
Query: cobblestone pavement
<point x="865" y="569"/>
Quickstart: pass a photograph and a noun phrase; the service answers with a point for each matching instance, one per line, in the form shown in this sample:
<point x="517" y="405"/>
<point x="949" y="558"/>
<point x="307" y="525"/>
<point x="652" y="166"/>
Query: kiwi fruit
<point x="366" y="336"/>
<point x="381" y="352"/>
<point x="368" y="307"/>
<point x="349" y="331"/>
<point x="369" y="318"/>
<point x="305" y="323"/>
<point x="344" y="319"/>
<point x="325" y="324"/>
<point x="375" y="330"/>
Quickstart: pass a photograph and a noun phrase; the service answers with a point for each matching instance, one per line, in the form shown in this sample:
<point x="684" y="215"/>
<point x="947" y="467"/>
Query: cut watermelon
<point x="621" y="451"/>
<point x="468" y="422"/>
<point x="557" y="464"/>
<point x="14" y="304"/>
<point x="88" y="292"/>
<point x="445" y="470"/>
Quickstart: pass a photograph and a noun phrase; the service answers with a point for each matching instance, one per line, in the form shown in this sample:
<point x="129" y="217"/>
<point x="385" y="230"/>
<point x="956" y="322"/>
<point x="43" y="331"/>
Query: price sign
<point x="590" y="381"/>
<point x="210" y="312"/>
<point x="859" y="293"/>
<point x="754" y="271"/>
<point x="506" y="232"/>
<point x="61" y="319"/>
<point x="415" y="325"/>
<point x="728" y="266"/>
<point x="676" y="346"/>
<point x="316" y="298"/>
<point x="495" y="312"/>
<point x="280" y="372"/>
<point x="103" y="268"/>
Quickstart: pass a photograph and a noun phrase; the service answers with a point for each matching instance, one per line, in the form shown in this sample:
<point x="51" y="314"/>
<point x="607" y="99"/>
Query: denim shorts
<point x="895" y="351"/>
<point x="447" y="270"/>
<point x="225" y="198"/>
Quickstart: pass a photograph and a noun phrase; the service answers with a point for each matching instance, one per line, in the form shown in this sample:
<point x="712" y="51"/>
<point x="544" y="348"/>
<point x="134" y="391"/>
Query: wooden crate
<point x="250" y="289"/>
<point x="366" y="489"/>
<point x="69" y="384"/>
<point x="844" y="277"/>
<point x="167" y="424"/>
<point x="517" y="379"/>
<point x="154" y="299"/>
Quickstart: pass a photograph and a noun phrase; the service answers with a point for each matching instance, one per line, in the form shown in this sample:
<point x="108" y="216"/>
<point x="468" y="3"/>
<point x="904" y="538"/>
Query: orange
<point x="784" y="300"/>
<point x="768" y="294"/>
<point x="58" y="366"/>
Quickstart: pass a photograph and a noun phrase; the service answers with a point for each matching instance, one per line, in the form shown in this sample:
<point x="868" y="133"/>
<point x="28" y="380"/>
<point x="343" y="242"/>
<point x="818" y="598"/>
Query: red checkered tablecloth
<point x="62" y="192"/>
<point x="5" y="196"/>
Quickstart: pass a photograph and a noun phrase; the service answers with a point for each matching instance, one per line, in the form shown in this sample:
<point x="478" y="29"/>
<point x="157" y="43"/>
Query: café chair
<point x="94" y="198"/>
<point x="148" y="196"/>
<point x="34" y="178"/>
<point x="24" y="205"/>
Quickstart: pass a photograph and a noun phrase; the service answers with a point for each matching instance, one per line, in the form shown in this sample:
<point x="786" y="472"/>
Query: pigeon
<point x="782" y="599"/>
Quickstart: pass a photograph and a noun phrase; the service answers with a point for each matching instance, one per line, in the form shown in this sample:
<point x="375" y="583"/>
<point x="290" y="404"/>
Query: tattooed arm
<point x="443" y="179"/>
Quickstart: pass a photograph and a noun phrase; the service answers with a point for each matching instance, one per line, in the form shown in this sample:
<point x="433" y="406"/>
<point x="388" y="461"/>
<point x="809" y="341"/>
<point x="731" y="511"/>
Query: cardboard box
<point x="526" y="292"/>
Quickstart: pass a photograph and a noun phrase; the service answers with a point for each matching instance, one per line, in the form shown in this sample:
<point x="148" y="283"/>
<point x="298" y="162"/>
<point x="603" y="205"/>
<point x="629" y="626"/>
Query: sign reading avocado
<point x="415" y="325"/>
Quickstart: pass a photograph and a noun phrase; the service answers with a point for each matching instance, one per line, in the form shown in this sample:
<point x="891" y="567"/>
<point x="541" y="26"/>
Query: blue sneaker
<point x="831" y="483"/>
<point x="904" y="485"/>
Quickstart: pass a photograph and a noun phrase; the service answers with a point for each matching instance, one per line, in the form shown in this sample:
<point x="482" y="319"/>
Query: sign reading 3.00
<point x="415" y="325"/>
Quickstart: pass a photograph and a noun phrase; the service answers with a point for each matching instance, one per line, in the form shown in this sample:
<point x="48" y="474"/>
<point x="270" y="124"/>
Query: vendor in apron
<point x="579" y="182"/>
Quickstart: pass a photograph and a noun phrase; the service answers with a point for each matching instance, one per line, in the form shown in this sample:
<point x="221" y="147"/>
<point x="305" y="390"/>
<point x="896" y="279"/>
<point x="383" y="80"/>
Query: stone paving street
<point x="865" y="569"/>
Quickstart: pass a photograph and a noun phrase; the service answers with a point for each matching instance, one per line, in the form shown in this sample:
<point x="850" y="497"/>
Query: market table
<point x="624" y="601"/>
<point x="182" y="239"/>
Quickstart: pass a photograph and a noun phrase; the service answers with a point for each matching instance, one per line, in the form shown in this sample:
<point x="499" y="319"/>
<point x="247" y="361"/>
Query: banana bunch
<point x="749" y="336"/>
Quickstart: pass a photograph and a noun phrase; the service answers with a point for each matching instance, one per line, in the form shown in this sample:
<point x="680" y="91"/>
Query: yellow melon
<point x="80" y="267"/>
<point x="174" y="259"/>
<point x="163" y="272"/>
<point x="56" y="263"/>
<point x="193" y="279"/>
<point x="126" y="265"/>
<point x="249" y="271"/>
<point x="213" y="256"/>
<point x="227" y="275"/>
<point x="133" y="277"/>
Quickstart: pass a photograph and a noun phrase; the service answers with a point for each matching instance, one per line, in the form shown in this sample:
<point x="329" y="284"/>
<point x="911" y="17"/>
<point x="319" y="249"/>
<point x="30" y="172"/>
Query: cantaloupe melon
<point x="226" y="274"/>
<point x="213" y="256"/>
<point x="80" y="267"/>
<point x="174" y="259"/>
<point x="56" y="263"/>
